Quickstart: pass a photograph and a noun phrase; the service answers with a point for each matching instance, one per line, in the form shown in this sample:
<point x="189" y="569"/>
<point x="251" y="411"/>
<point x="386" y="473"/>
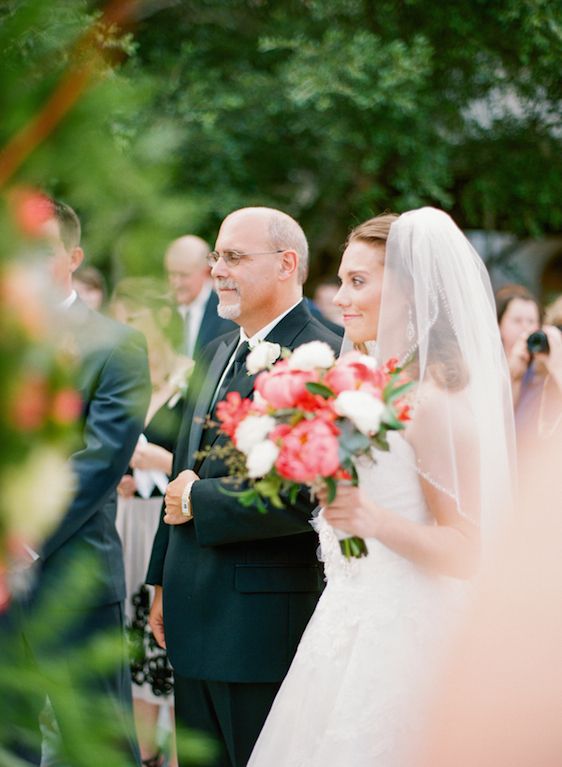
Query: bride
<point x="355" y="693"/>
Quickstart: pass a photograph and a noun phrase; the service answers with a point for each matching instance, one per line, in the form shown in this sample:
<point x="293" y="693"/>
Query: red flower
<point x="391" y="365"/>
<point x="231" y="411"/>
<point x="30" y="209"/>
<point x="66" y="407"/>
<point x="403" y="411"/>
<point x="29" y="407"/>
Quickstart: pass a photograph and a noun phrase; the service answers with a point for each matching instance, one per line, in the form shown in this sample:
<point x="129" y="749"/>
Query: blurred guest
<point x="83" y="555"/>
<point x="519" y="315"/>
<point x="89" y="283"/>
<point x="535" y="361"/>
<point x="323" y="297"/>
<point x="498" y="705"/>
<point x="140" y="302"/>
<point x="189" y="277"/>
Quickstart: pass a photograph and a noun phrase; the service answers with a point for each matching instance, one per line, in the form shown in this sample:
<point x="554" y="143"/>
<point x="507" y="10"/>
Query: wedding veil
<point x="438" y="318"/>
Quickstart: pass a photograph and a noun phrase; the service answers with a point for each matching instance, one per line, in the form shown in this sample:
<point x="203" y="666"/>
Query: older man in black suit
<point x="235" y="588"/>
<point x="196" y="301"/>
<point x="114" y="382"/>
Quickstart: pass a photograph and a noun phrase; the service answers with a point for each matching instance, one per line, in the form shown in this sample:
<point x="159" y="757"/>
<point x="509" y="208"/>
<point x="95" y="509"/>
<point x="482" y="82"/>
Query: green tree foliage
<point x="331" y="110"/>
<point x="337" y="110"/>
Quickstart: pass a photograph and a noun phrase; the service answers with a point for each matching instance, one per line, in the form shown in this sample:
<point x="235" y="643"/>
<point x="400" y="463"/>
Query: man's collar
<point x="265" y="331"/>
<point x="68" y="301"/>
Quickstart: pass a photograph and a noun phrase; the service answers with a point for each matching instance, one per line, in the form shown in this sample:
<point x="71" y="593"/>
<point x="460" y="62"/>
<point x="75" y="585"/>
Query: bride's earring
<point x="410" y="330"/>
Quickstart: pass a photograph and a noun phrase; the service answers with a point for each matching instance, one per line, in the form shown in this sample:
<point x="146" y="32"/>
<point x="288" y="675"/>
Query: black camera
<point x="537" y="342"/>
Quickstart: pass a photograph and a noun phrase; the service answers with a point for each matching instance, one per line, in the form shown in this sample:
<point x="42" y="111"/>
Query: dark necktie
<point x="234" y="369"/>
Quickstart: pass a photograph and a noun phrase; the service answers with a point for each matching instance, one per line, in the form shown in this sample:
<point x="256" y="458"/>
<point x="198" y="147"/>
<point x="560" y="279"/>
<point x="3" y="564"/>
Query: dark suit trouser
<point x="230" y="713"/>
<point x="112" y="685"/>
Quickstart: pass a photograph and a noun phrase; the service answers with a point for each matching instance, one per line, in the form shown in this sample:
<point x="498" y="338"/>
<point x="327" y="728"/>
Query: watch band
<point x="186" y="500"/>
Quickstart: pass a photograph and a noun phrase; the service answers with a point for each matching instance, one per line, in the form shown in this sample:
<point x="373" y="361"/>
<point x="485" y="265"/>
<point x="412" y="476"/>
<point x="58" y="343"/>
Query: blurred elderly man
<point x="190" y="281"/>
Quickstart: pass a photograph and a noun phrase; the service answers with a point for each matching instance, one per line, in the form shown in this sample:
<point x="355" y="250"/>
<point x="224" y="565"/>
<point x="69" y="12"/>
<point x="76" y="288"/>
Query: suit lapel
<point x="202" y="406"/>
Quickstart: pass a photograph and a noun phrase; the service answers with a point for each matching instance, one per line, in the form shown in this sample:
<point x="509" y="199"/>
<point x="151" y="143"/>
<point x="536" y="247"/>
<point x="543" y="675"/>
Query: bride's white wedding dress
<point x="356" y="691"/>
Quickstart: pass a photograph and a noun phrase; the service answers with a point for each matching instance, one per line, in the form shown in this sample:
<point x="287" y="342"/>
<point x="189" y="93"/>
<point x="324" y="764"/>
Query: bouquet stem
<point x="353" y="548"/>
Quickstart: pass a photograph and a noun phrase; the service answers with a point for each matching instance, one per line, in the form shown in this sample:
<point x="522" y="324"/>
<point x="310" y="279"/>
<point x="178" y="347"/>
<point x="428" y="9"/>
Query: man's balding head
<point x="267" y="280"/>
<point x="186" y="265"/>
<point x="283" y="232"/>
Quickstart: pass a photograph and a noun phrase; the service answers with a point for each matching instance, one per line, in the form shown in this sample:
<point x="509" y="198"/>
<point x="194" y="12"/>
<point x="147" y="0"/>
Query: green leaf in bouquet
<point x="332" y="487"/>
<point x="354" y="442"/>
<point x="293" y="494"/>
<point x="270" y="487"/>
<point x="380" y="441"/>
<point x="317" y="388"/>
<point x="390" y="420"/>
<point x="390" y="394"/>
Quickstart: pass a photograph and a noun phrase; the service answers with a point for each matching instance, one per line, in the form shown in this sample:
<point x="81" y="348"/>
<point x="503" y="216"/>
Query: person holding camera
<point x="519" y="315"/>
<point x="535" y="361"/>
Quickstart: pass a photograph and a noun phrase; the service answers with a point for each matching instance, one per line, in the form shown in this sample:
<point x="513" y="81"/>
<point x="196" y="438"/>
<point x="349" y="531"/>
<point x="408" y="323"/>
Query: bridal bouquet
<point x="311" y="417"/>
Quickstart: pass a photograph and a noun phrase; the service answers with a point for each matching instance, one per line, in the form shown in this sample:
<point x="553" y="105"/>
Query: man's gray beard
<point x="230" y="312"/>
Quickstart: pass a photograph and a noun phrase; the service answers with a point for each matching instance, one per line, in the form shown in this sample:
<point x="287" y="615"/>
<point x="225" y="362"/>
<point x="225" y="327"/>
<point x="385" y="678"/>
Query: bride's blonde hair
<point x="374" y="231"/>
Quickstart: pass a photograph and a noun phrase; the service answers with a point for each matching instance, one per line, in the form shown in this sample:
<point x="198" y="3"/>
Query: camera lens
<point x="538" y="342"/>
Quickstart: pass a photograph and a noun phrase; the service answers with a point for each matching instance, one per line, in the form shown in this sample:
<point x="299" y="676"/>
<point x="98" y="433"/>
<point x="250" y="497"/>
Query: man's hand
<point x="156" y="618"/>
<point x="127" y="486"/>
<point x="172" y="499"/>
<point x="150" y="456"/>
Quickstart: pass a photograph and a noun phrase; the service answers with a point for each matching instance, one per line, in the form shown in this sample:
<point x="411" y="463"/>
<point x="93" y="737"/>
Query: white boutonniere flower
<point x="262" y="357"/>
<point x="315" y="354"/>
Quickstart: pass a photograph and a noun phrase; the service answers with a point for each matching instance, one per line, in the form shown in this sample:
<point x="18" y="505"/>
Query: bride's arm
<point x="449" y="547"/>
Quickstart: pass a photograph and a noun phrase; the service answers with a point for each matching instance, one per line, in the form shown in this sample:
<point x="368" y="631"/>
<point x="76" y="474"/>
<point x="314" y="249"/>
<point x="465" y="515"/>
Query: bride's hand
<point x="350" y="512"/>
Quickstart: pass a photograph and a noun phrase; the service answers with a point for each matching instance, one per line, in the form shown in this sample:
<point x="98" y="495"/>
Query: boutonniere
<point x="262" y="357"/>
<point x="179" y="381"/>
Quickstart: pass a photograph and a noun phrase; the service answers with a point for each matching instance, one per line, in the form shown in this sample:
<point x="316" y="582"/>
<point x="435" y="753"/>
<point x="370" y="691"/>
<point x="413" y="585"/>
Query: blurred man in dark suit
<point x="190" y="280"/>
<point x="79" y="581"/>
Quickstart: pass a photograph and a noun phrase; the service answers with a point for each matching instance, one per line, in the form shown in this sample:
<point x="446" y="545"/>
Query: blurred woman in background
<point x="141" y="302"/>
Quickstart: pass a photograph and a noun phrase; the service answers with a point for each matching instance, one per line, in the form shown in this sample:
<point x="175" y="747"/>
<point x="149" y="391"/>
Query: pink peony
<point x="308" y="451"/>
<point x="282" y="387"/>
<point x="355" y="371"/>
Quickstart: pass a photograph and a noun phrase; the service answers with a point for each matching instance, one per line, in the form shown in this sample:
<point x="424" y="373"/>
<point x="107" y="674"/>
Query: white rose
<point x="315" y="354"/>
<point x="37" y="493"/>
<point x="362" y="409"/>
<point x="261" y="458"/>
<point x="253" y="430"/>
<point x="262" y="356"/>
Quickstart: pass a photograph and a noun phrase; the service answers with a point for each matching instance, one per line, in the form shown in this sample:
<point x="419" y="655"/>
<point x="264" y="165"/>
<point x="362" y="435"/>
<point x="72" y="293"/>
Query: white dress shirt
<point x="196" y="311"/>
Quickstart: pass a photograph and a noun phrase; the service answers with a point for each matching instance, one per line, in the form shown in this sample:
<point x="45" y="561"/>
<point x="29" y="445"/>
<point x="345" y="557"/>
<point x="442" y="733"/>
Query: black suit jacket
<point x="115" y="386"/>
<point x="239" y="586"/>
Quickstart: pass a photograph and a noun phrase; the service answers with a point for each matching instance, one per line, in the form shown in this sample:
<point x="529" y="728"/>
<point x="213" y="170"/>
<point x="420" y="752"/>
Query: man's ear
<point x="76" y="258"/>
<point x="288" y="264"/>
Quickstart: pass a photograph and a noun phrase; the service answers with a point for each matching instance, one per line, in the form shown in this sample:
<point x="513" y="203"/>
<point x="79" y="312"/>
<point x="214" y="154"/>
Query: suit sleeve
<point x="155" y="572"/>
<point x="219" y="519"/>
<point x="114" y="421"/>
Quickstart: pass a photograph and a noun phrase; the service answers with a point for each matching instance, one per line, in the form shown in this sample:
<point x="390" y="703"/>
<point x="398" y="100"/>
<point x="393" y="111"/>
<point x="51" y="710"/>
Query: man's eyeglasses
<point x="232" y="257"/>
